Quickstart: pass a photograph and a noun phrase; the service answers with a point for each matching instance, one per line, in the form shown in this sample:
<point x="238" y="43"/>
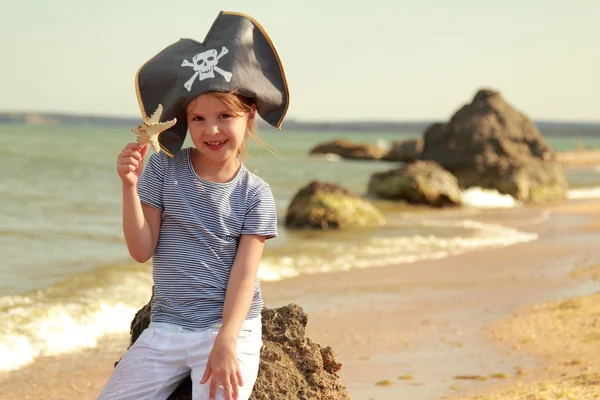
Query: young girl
<point x="202" y="216"/>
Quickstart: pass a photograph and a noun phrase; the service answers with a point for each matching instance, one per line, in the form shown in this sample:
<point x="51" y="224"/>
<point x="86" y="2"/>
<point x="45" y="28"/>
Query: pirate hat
<point x="236" y="55"/>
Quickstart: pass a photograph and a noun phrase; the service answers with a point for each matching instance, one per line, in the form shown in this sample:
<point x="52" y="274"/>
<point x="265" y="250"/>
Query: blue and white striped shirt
<point x="201" y="226"/>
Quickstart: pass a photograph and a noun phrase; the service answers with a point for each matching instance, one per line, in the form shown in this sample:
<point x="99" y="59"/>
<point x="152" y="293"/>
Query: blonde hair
<point x="239" y="106"/>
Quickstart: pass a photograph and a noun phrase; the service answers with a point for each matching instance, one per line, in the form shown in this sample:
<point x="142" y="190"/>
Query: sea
<point x="66" y="279"/>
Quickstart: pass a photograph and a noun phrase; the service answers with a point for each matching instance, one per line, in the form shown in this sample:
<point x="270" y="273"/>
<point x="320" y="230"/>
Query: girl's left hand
<point x="223" y="369"/>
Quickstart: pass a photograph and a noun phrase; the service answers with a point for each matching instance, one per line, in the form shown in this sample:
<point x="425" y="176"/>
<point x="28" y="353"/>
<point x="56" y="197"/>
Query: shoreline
<point x="428" y="316"/>
<point x="432" y="332"/>
<point x="564" y="334"/>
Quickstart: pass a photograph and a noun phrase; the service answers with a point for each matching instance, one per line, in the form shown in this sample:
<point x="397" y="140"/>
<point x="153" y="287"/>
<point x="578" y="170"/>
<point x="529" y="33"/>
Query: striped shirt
<point x="200" y="230"/>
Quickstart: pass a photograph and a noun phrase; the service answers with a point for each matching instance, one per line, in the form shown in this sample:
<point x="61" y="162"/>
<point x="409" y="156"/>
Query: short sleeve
<point x="261" y="217"/>
<point x="151" y="181"/>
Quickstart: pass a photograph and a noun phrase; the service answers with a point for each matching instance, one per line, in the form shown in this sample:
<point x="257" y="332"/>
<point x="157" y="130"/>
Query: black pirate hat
<point x="236" y="55"/>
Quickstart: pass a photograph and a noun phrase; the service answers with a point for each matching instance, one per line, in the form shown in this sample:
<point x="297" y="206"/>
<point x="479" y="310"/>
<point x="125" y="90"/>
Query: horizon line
<point x="302" y="121"/>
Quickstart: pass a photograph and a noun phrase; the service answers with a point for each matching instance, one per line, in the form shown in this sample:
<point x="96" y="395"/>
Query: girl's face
<point x="216" y="131"/>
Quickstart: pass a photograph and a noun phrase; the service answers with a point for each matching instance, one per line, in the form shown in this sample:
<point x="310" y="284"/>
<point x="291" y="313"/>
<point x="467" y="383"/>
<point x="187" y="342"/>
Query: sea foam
<point x="382" y="251"/>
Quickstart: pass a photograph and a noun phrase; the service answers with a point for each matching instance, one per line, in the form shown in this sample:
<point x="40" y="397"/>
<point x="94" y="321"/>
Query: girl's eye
<point x="225" y="116"/>
<point x="198" y="119"/>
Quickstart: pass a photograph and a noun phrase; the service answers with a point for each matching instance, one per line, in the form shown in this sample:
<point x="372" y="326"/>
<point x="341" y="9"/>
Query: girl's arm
<point x="141" y="225"/>
<point x="240" y="288"/>
<point x="222" y="367"/>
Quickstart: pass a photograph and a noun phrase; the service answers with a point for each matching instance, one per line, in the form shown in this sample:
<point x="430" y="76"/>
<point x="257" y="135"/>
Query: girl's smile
<point x="216" y="145"/>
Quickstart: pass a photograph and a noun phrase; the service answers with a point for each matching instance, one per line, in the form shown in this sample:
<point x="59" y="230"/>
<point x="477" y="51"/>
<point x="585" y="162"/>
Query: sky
<point x="351" y="60"/>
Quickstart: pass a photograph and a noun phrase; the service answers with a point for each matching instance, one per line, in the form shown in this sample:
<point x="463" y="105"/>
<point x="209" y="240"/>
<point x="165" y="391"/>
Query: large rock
<point x="405" y="151"/>
<point x="421" y="182"/>
<point x="322" y="205"/>
<point x="490" y="144"/>
<point x="292" y="366"/>
<point x="350" y="150"/>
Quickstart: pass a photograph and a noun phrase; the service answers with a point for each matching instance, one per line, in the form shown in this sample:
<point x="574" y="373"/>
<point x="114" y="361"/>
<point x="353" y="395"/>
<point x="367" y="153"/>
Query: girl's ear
<point x="252" y="113"/>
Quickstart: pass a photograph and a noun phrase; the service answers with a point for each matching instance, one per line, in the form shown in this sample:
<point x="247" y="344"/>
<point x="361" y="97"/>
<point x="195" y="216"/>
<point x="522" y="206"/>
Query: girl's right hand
<point x="130" y="163"/>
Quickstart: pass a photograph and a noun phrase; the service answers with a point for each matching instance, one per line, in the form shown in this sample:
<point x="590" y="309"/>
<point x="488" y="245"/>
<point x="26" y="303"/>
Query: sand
<point x="567" y="334"/>
<point x="428" y="330"/>
<point x="71" y="376"/>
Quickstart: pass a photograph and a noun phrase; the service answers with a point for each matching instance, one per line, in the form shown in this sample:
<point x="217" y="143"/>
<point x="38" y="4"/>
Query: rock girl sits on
<point x="202" y="217"/>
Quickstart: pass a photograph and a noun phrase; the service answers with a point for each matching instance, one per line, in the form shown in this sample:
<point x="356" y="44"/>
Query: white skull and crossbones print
<point x="205" y="65"/>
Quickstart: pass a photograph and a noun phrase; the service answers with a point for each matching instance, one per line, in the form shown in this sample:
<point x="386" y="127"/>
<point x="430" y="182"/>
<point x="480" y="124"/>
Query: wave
<point x="382" y="251"/>
<point x="71" y="316"/>
<point x="584" y="193"/>
<point x="75" y="314"/>
<point x="488" y="198"/>
<point x="477" y="197"/>
<point x="327" y="157"/>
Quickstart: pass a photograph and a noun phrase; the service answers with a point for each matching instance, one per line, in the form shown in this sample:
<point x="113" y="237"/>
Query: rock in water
<point x="292" y="366"/>
<point x="490" y="144"/>
<point x="405" y="151"/>
<point x="350" y="150"/>
<point x="322" y="205"/>
<point x="421" y="182"/>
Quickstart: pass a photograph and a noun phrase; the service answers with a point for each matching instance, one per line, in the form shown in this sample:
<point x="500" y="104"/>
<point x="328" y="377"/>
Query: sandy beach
<point x="474" y="324"/>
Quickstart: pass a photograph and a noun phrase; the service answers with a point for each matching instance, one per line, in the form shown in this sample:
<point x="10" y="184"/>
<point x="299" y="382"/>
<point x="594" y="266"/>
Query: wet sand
<point x="566" y="334"/>
<point x="416" y="329"/>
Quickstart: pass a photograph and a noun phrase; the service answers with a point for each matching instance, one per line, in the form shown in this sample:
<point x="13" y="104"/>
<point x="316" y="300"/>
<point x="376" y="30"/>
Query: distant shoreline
<point x="548" y="128"/>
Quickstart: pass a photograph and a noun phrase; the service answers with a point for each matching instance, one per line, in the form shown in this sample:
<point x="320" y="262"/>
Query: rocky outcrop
<point x="350" y="150"/>
<point x="421" y="182"/>
<point x="292" y="366"/>
<point x="321" y="205"/>
<point x="490" y="144"/>
<point x="405" y="151"/>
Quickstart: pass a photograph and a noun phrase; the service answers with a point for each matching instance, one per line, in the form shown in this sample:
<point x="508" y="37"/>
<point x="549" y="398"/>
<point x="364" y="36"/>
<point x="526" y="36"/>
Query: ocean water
<point x="66" y="278"/>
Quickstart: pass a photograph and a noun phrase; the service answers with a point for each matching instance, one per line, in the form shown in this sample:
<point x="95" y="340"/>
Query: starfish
<point x="148" y="132"/>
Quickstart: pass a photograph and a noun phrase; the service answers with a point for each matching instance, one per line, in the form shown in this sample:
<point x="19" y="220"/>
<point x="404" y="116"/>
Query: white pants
<point x="163" y="355"/>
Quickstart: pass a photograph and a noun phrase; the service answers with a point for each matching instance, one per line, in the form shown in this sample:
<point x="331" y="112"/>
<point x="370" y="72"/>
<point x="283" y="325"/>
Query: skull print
<point x="205" y="65"/>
